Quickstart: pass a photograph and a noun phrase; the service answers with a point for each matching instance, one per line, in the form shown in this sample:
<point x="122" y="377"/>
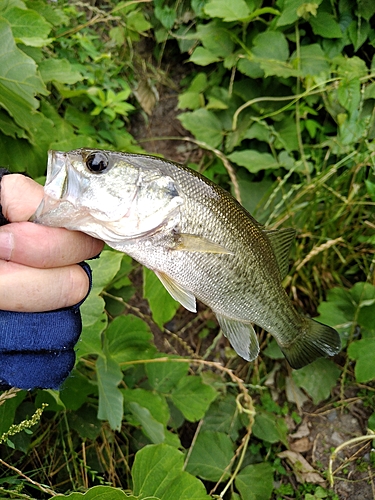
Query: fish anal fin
<point x="195" y="243"/>
<point x="241" y="336"/>
<point x="179" y="293"/>
<point x="281" y="241"/>
<point x="315" y="341"/>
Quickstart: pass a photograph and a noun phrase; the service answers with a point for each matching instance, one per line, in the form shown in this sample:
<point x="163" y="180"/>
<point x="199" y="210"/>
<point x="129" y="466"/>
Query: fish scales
<point x="198" y="239"/>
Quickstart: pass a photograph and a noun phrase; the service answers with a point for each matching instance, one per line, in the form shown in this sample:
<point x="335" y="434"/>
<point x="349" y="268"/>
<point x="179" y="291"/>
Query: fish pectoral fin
<point x="195" y="243"/>
<point x="281" y="240"/>
<point x="242" y="336"/>
<point x="179" y="293"/>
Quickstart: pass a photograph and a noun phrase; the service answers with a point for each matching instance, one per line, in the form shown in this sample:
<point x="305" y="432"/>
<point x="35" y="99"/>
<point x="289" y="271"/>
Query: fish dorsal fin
<point x="195" y="243"/>
<point x="242" y="336"/>
<point x="281" y="241"/>
<point x="184" y="297"/>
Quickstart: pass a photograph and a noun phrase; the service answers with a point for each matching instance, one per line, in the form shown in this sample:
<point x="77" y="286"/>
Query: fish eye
<point x="97" y="162"/>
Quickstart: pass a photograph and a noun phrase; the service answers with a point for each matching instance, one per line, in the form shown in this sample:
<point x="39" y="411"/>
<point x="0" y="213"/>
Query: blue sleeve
<point x="37" y="349"/>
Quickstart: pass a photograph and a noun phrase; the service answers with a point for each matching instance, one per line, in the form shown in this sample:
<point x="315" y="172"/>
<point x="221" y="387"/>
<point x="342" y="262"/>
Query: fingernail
<point x="6" y="245"/>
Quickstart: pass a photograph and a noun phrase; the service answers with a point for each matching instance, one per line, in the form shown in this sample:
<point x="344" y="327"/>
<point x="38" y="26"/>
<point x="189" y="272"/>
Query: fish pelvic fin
<point x="316" y="341"/>
<point x="179" y="293"/>
<point x="281" y="241"/>
<point x="241" y="336"/>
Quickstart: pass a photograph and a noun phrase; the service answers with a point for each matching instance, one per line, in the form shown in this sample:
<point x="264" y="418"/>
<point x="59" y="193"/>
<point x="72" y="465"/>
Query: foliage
<point x="286" y="94"/>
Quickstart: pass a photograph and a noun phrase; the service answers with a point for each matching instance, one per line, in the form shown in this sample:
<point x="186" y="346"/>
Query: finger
<point x="40" y="246"/>
<point x="15" y="205"/>
<point x="26" y="289"/>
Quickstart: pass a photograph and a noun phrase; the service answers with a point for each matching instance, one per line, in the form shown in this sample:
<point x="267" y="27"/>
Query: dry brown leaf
<point x="301" y="445"/>
<point x="303" y="471"/>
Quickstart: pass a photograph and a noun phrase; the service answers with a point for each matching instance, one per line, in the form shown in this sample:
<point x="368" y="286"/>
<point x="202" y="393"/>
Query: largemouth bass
<point x="201" y="243"/>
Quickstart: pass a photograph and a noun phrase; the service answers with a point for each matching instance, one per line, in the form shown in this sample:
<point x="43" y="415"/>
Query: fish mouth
<point x="59" y="186"/>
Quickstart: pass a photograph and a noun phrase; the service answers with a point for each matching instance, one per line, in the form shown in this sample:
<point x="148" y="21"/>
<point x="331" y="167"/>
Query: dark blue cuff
<point x="37" y="349"/>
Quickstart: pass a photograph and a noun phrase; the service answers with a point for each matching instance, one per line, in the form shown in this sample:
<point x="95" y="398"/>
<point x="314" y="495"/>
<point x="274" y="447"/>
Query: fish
<point x="197" y="238"/>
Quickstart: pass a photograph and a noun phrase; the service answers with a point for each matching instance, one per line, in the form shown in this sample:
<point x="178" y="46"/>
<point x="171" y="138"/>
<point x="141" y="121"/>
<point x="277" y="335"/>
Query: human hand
<point x="38" y="270"/>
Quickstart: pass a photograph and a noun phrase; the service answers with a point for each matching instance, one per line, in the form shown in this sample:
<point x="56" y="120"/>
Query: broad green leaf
<point x="192" y="397"/>
<point x="223" y="416"/>
<point x="255" y="482"/>
<point x="104" y="269"/>
<point x="271" y="45"/>
<point x="152" y="401"/>
<point x="250" y="68"/>
<point x="28" y="26"/>
<point x="204" y="125"/>
<point x="228" y="11"/>
<point x="290" y="12"/>
<point x="349" y="94"/>
<point x="203" y="57"/>
<point x="269" y="427"/>
<point x="19" y="80"/>
<point x="166" y="15"/>
<point x="366" y="9"/>
<point x="9" y="127"/>
<point x="59" y="70"/>
<point x="109" y="376"/>
<point x="371" y="422"/>
<point x="215" y="38"/>
<point x="253" y="161"/>
<point x="99" y="493"/>
<point x="318" y="379"/>
<point x="325" y="25"/>
<point x="312" y="61"/>
<point x="165" y="376"/>
<point x="129" y="338"/>
<point x="157" y="474"/>
<point x="162" y="305"/>
<point x="363" y="352"/>
<point x="358" y="32"/>
<point x="153" y="429"/>
<point x="211" y="456"/>
<point x="75" y="390"/>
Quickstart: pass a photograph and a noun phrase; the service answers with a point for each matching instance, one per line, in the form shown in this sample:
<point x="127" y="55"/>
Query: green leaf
<point x="157" y="474"/>
<point x="163" y="377"/>
<point x="255" y="482"/>
<point x="349" y="94"/>
<point x="28" y="26"/>
<point x="269" y="427"/>
<point x="289" y="13"/>
<point x="312" y="61"/>
<point x="162" y="305"/>
<point x="19" y="81"/>
<point x="366" y="9"/>
<point x="363" y="351"/>
<point x="228" y="11"/>
<point x="99" y="493"/>
<point x="59" y="70"/>
<point x="110" y="397"/>
<point x="203" y="57"/>
<point x="129" y="338"/>
<point x="271" y="45"/>
<point x="325" y="25"/>
<point x="318" y="379"/>
<point x="153" y="429"/>
<point x="253" y="161"/>
<point x="153" y="402"/>
<point x="215" y="38"/>
<point x="204" y="125"/>
<point x="211" y="456"/>
<point x="223" y="416"/>
<point x="192" y="397"/>
<point x="166" y="15"/>
<point x="104" y="269"/>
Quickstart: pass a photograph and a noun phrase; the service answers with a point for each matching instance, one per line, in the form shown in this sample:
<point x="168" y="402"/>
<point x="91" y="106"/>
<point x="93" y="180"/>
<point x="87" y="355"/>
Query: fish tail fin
<point x="315" y="341"/>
